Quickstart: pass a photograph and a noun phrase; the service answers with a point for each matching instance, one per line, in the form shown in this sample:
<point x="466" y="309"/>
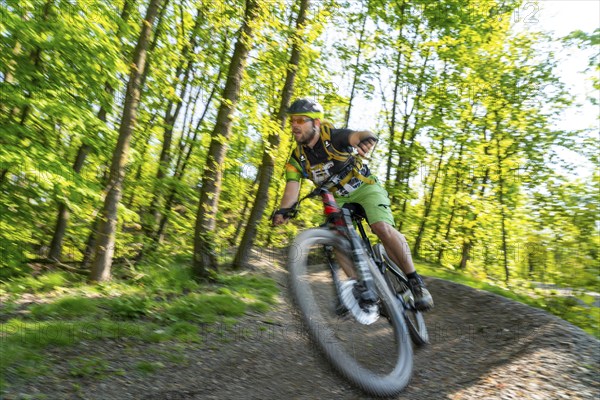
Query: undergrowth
<point x="576" y="308"/>
<point x="154" y="302"/>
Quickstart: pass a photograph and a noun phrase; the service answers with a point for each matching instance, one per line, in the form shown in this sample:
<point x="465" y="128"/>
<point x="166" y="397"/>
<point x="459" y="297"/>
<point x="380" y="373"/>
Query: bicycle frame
<point x="345" y="221"/>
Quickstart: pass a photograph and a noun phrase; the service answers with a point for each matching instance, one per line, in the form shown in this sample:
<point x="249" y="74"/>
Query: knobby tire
<point x="323" y="332"/>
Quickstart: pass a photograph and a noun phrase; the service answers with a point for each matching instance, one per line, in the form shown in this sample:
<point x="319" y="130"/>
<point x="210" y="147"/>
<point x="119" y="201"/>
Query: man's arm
<point x="363" y="141"/>
<point x="290" y="196"/>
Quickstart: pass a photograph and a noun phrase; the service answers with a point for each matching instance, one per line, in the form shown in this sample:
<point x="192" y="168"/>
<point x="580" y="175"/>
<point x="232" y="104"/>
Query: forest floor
<point x="483" y="346"/>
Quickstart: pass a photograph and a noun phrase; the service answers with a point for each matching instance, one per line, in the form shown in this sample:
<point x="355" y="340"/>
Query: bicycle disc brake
<point x="366" y="314"/>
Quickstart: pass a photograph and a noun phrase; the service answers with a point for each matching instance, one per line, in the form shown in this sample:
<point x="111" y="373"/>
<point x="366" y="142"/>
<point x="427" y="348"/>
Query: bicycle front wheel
<point x="376" y="357"/>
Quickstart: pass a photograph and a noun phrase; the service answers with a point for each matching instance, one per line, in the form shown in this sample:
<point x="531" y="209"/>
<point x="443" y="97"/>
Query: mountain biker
<point x="322" y="151"/>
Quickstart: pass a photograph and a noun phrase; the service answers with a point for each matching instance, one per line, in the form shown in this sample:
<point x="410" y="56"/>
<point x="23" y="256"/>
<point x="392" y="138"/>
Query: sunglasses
<point x="299" y="120"/>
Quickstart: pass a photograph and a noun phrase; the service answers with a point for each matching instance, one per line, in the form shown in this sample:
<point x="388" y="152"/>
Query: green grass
<point x="87" y="367"/>
<point x="204" y="308"/>
<point x="149" y="367"/>
<point x="64" y="308"/>
<point x="129" y="307"/>
<point x="40" y="284"/>
<point x="159" y="301"/>
<point x="567" y="308"/>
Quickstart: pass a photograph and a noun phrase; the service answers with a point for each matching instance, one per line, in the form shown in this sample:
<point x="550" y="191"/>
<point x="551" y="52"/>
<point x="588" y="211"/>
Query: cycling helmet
<point x="307" y="107"/>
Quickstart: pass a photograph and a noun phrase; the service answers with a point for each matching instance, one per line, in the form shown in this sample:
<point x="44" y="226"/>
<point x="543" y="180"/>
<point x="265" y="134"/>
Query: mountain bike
<point x="355" y="302"/>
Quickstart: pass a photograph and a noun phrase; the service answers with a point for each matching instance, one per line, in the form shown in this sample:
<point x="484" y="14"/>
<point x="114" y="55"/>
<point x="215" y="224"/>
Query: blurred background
<point x="134" y="131"/>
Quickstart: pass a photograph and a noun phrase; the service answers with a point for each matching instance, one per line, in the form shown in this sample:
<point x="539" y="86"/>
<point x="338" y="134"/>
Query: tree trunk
<point x="185" y="154"/>
<point x="503" y="216"/>
<point x="397" y="80"/>
<point x="392" y="126"/>
<point x="157" y="33"/>
<point x="429" y="203"/>
<point x="63" y="211"/>
<point x="457" y="189"/>
<point x="140" y="166"/>
<point x="356" y="68"/>
<point x="240" y="220"/>
<point x="405" y="158"/>
<point x="269" y="153"/>
<point x="186" y="67"/>
<point x="105" y="242"/>
<point x="210" y="191"/>
<point x="468" y="240"/>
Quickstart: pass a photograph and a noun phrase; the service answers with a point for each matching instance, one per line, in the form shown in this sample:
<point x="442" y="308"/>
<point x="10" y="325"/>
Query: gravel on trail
<point x="483" y="346"/>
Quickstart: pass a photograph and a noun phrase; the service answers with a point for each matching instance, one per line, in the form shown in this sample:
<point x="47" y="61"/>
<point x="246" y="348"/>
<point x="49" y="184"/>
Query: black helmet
<point x="307" y="107"/>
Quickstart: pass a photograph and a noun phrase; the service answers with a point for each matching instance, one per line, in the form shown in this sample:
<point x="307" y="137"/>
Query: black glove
<point x="369" y="140"/>
<point x="287" y="213"/>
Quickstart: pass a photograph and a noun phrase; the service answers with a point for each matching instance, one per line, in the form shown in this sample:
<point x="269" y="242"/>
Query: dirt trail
<point x="483" y="346"/>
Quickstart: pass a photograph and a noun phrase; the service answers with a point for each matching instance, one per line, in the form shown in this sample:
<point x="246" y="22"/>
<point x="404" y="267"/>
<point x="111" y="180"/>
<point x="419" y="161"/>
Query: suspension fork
<point x="360" y="258"/>
<point x="342" y="220"/>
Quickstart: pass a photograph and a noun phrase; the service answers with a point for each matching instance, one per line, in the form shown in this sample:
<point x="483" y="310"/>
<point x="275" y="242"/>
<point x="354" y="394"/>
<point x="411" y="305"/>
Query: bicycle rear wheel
<point x="375" y="357"/>
<point x="399" y="284"/>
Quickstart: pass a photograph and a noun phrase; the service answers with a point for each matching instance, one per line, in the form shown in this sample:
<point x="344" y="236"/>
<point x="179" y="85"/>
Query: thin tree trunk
<point x="429" y="202"/>
<point x="392" y="145"/>
<point x="439" y="211"/>
<point x="503" y="217"/>
<point x="240" y="221"/>
<point x="468" y="240"/>
<point x="397" y="80"/>
<point x="63" y="211"/>
<point x="242" y="215"/>
<point x="182" y="162"/>
<point x="171" y="115"/>
<point x="149" y="52"/>
<point x="179" y="173"/>
<point x="185" y="153"/>
<point x="405" y="158"/>
<point x="105" y="242"/>
<point x="160" y="215"/>
<point x="90" y="243"/>
<point x="157" y="34"/>
<point x="140" y="166"/>
<point x="356" y="68"/>
<point x="402" y="151"/>
<point x="457" y="188"/>
<point x="268" y="160"/>
<point x="204" y="256"/>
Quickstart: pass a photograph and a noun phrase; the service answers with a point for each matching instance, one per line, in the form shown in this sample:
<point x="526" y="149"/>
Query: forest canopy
<point x="130" y="127"/>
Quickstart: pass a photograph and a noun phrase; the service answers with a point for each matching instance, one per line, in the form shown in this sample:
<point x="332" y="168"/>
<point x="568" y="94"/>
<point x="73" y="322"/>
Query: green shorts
<point x="374" y="199"/>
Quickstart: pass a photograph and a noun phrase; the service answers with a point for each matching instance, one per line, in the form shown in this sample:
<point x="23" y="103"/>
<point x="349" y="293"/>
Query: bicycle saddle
<point x="356" y="211"/>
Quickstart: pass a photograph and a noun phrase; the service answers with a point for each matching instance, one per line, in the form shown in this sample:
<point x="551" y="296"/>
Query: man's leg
<point x="346" y="263"/>
<point x="395" y="245"/>
<point x="397" y="249"/>
<point x="375" y="201"/>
